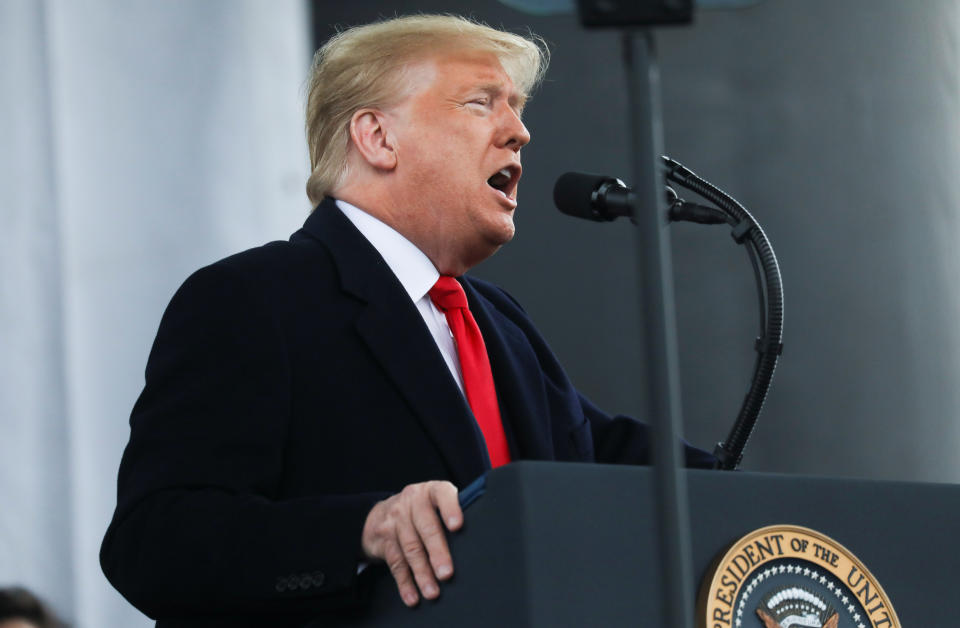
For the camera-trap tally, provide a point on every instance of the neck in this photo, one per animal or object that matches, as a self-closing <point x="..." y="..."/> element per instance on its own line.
<point x="401" y="216"/>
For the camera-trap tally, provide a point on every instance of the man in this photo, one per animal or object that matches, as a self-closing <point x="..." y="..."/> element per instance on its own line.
<point x="312" y="407"/>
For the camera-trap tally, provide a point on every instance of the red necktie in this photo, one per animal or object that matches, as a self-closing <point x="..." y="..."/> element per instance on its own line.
<point x="448" y="295"/>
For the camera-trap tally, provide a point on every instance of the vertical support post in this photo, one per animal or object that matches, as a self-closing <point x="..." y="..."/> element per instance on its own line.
<point x="655" y="270"/>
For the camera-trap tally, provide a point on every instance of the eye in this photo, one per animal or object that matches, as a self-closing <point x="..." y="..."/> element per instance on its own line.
<point x="483" y="101"/>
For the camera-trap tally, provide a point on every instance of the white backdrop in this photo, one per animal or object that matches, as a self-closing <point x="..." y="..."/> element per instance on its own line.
<point x="139" y="140"/>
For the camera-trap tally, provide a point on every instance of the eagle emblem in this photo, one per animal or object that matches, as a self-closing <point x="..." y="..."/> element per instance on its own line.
<point x="796" y="607"/>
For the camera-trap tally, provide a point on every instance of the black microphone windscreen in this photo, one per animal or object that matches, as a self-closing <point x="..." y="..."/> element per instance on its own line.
<point x="573" y="192"/>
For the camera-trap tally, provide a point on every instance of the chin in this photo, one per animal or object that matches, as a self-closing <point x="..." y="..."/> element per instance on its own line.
<point x="503" y="230"/>
<point x="499" y="238"/>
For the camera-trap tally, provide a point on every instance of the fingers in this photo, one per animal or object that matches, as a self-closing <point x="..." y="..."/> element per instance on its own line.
<point x="407" y="532"/>
<point x="443" y="499"/>
<point x="397" y="563"/>
<point x="447" y="501"/>
<point x="434" y="541"/>
<point x="417" y="548"/>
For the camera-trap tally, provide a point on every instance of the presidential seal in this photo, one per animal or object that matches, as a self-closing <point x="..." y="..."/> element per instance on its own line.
<point x="788" y="576"/>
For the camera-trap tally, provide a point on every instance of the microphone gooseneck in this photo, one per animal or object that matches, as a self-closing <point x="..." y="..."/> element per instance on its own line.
<point x="603" y="198"/>
<point x="769" y="345"/>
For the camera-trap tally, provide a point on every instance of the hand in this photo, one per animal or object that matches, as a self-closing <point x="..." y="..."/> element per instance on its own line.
<point x="406" y="532"/>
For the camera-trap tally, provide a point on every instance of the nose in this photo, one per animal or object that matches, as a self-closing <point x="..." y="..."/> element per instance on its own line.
<point x="514" y="134"/>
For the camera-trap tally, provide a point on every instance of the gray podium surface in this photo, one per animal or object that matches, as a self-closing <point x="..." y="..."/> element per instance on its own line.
<point x="553" y="544"/>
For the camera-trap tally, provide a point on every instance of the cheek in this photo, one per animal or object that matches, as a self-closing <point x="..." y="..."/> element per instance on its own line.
<point x="445" y="159"/>
<point x="436" y="158"/>
<point x="449" y="166"/>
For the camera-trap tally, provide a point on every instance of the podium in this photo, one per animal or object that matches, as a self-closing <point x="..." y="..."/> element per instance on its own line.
<point x="566" y="544"/>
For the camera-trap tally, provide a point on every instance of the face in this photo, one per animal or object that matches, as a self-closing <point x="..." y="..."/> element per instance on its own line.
<point x="457" y="140"/>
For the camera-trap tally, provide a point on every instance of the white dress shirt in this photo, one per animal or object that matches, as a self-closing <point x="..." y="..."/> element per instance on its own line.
<point x="416" y="274"/>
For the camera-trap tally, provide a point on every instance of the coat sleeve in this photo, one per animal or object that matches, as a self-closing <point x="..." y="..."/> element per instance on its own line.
<point x="621" y="439"/>
<point x="199" y="527"/>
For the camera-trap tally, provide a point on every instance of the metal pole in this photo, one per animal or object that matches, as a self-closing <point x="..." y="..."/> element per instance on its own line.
<point x="659" y="333"/>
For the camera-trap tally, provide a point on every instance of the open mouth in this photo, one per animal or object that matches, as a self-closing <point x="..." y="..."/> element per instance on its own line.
<point x="505" y="180"/>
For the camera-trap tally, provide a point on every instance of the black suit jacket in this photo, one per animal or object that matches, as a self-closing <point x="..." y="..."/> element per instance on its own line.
<point x="289" y="388"/>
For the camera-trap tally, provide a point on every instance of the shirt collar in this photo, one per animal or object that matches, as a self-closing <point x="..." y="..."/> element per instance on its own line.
<point x="415" y="271"/>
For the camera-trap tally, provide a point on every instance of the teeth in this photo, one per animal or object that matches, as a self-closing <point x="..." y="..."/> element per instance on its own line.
<point x="500" y="179"/>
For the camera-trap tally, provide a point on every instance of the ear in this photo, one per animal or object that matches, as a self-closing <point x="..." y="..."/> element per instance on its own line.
<point x="368" y="131"/>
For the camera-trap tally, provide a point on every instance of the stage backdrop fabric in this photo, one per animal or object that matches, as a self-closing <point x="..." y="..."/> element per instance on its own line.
<point x="138" y="141"/>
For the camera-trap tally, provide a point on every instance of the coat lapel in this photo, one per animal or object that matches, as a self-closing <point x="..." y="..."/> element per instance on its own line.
<point x="396" y="335"/>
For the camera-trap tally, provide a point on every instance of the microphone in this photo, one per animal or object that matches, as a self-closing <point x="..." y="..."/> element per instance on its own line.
<point x="603" y="198"/>
<point x="593" y="196"/>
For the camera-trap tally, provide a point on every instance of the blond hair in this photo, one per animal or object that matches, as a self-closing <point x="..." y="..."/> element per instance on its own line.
<point x="364" y="67"/>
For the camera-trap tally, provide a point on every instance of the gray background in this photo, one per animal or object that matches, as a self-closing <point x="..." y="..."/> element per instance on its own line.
<point x="835" y="123"/>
